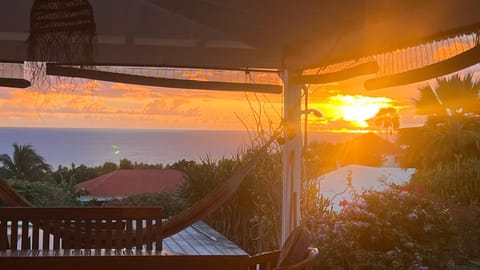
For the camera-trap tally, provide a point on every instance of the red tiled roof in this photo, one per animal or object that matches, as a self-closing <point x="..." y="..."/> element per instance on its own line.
<point x="124" y="182"/>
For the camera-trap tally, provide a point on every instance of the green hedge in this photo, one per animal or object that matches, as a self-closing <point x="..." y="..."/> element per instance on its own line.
<point x="457" y="182"/>
<point x="42" y="193"/>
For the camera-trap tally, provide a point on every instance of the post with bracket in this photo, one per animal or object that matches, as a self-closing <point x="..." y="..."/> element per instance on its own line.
<point x="291" y="156"/>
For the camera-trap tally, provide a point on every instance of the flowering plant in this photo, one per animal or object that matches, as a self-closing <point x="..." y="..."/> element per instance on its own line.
<point x="389" y="229"/>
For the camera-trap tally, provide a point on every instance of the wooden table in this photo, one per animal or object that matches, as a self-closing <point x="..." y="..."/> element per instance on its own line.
<point x="109" y="259"/>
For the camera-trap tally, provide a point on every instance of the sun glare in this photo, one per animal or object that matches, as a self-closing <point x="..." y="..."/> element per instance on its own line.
<point x="357" y="109"/>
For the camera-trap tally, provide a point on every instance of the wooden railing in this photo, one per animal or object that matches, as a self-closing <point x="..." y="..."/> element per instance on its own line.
<point x="111" y="238"/>
<point x="114" y="259"/>
<point x="23" y="228"/>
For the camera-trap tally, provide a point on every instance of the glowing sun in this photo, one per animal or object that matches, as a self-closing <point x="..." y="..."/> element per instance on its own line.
<point x="357" y="109"/>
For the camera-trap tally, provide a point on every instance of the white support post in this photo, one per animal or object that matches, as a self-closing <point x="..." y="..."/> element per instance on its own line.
<point x="291" y="157"/>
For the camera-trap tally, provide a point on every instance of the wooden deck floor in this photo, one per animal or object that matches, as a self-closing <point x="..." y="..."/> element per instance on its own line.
<point x="201" y="239"/>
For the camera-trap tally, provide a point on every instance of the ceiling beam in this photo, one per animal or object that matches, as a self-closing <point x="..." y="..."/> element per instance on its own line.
<point x="450" y="65"/>
<point x="66" y="71"/>
<point x="358" y="70"/>
<point x="14" y="82"/>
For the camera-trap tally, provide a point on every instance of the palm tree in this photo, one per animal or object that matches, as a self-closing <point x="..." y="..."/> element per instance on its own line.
<point x="24" y="164"/>
<point x="458" y="137"/>
<point x="389" y="119"/>
<point x="452" y="130"/>
<point x="453" y="95"/>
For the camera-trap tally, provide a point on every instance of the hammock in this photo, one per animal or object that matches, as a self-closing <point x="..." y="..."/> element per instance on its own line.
<point x="196" y="212"/>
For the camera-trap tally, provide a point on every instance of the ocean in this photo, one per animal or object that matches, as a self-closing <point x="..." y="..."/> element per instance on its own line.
<point x="93" y="147"/>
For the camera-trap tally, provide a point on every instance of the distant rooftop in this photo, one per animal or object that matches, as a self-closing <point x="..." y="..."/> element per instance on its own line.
<point x="125" y="182"/>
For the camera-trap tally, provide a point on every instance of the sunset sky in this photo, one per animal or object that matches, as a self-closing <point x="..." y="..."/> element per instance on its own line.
<point x="96" y="104"/>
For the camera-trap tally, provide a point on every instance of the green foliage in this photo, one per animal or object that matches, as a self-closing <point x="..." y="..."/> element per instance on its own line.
<point x="390" y="229"/>
<point x="141" y="165"/>
<point x="251" y="217"/>
<point x="452" y="130"/>
<point x="320" y="159"/>
<point x="455" y="94"/>
<point x="41" y="193"/>
<point x="77" y="174"/>
<point x="466" y="220"/>
<point x="388" y="118"/>
<point x="73" y="175"/>
<point x="126" y="164"/>
<point x="171" y="204"/>
<point x="457" y="137"/>
<point x="457" y="182"/>
<point x="366" y="149"/>
<point x="107" y="167"/>
<point x="24" y="164"/>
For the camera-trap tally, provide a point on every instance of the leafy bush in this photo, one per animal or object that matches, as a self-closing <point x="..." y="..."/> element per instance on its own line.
<point x="77" y="174"/>
<point x="170" y="203"/>
<point x="41" y="193"/>
<point x="366" y="149"/>
<point x="73" y="174"/>
<point x="466" y="221"/>
<point x="457" y="182"/>
<point x="251" y="217"/>
<point x="390" y="229"/>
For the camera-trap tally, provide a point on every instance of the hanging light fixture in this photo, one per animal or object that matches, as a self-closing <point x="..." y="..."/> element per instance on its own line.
<point x="61" y="31"/>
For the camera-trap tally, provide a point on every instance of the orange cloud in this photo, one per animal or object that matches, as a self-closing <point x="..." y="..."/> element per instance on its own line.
<point x="171" y="107"/>
<point x="104" y="104"/>
<point x="131" y="91"/>
<point x="124" y="106"/>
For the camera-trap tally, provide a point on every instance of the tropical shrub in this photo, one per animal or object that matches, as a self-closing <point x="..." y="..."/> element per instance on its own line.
<point x="454" y="94"/>
<point x="365" y="149"/>
<point x="77" y="174"/>
<point x="456" y="137"/>
<point x="125" y="164"/>
<point x="457" y="182"/>
<point x="457" y="186"/>
<point x="74" y="174"/>
<point x="452" y="130"/>
<point x="390" y="229"/>
<point x="171" y="204"/>
<point x="251" y="217"/>
<point x="42" y="193"/>
<point x="466" y="221"/>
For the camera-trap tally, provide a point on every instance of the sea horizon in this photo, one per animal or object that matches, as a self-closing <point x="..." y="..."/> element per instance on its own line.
<point x="95" y="146"/>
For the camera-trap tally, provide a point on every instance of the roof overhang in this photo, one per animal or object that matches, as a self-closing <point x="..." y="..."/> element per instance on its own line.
<point x="253" y="34"/>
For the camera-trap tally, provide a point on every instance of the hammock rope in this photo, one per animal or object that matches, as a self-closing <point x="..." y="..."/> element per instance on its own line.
<point x="218" y="196"/>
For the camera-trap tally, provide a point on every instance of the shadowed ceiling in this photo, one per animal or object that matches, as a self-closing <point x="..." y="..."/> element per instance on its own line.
<point x="251" y="34"/>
